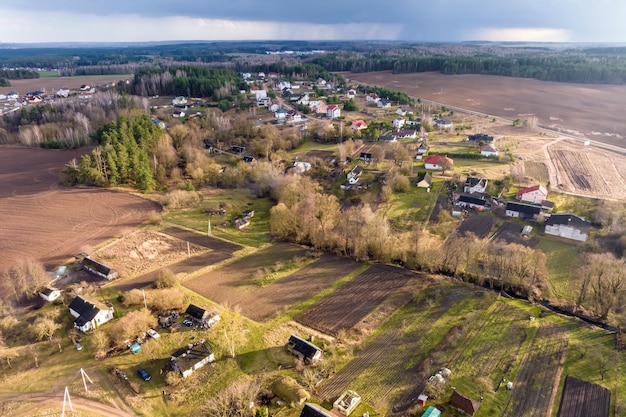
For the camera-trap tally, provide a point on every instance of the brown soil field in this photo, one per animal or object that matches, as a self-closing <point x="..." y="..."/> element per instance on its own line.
<point x="591" y="110"/>
<point x="47" y="222"/>
<point x="349" y="304"/>
<point x="582" y="398"/>
<point x="53" y="84"/>
<point x="478" y="225"/>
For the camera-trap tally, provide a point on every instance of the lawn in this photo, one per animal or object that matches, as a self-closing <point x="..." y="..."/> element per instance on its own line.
<point x="237" y="201"/>
<point x="406" y="209"/>
<point x="48" y="74"/>
<point x="560" y="259"/>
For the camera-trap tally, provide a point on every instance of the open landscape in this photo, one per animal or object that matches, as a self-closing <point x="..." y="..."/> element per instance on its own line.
<point x="51" y="85"/>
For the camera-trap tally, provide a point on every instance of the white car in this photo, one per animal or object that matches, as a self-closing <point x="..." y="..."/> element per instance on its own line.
<point x="153" y="334"/>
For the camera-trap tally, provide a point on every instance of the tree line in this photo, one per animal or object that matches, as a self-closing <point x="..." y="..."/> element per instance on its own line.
<point x="15" y="74"/>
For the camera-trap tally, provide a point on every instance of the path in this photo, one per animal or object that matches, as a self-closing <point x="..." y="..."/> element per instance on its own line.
<point x="55" y="400"/>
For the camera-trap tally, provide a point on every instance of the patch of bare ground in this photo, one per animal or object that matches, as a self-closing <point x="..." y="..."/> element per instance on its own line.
<point x="53" y="84"/>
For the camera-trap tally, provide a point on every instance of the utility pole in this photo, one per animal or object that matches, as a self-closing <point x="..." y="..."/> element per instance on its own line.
<point x="66" y="397"/>
<point x="84" y="375"/>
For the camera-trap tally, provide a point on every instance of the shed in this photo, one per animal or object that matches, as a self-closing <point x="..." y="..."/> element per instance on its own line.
<point x="463" y="403"/>
<point x="304" y="350"/>
<point x="347" y="402"/>
<point x="421" y="400"/>
<point x="135" y="347"/>
<point x="50" y="294"/>
<point x="98" y="268"/>
<point x="445" y="372"/>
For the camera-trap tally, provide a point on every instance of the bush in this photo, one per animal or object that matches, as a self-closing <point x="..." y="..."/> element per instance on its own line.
<point x="165" y="279"/>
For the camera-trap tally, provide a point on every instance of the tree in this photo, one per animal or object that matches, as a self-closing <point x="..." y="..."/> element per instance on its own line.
<point x="132" y="324"/>
<point x="350" y="105"/>
<point x="44" y="328"/>
<point x="234" y="332"/>
<point x="100" y="343"/>
<point x="233" y="401"/>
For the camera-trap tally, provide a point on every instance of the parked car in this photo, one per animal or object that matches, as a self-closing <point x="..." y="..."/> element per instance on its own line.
<point x="188" y="323"/>
<point x="144" y="374"/>
<point x="153" y="333"/>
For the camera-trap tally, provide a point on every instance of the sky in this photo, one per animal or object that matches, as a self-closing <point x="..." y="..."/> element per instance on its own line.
<point x="409" y="20"/>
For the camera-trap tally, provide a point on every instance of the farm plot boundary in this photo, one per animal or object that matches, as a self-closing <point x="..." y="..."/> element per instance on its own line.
<point x="581" y="398"/>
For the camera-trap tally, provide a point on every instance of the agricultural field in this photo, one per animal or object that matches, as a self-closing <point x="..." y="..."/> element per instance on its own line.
<point x="581" y="398"/>
<point x="349" y="304"/>
<point x="537" y="171"/>
<point x="478" y="225"/>
<point x="52" y="84"/>
<point x="47" y="222"/>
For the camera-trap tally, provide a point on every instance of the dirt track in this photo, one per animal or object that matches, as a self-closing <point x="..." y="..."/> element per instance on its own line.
<point x="53" y="402"/>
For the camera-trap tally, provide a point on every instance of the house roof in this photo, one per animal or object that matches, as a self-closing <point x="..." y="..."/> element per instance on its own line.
<point x="523" y="208"/>
<point x="311" y="410"/>
<point x="568" y="220"/>
<point x="426" y="177"/>
<point x="307" y="349"/>
<point x="332" y="107"/>
<point x="488" y="148"/>
<point x="195" y="312"/>
<point x="431" y="412"/>
<point x="48" y="291"/>
<point x="537" y="187"/>
<point x="404" y="132"/>
<point x="435" y="159"/>
<point x="480" y="136"/>
<point x="356" y="171"/>
<point x="86" y="311"/>
<point x="464" y="403"/>
<point x="97" y="266"/>
<point x="473" y="181"/>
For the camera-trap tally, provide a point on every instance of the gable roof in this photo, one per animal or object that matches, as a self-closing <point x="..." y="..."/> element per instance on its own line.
<point x="464" y="403"/>
<point x="488" y="148"/>
<point x="86" y="311"/>
<point x="523" y="208"/>
<point x="464" y="198"/>
<point x="307" y="349"/>
<point x="435" y="159"/>
<point x="310" y="410"/>
<point x="431" y="412"/>
<point x="568" y="220"/>
<point x="96" y="266"/>
<point x="48" y="291"/>
<point x="473" y="181"/>
<point x="426" y="177"/>
<point x="537" y="187"/>
<point x="195" y="312"/>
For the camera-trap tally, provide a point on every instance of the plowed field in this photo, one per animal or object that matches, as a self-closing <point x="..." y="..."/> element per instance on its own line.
<point x="45" y="221"/>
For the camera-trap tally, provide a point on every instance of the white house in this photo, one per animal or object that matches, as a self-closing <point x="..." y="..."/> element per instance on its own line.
<point x="88" y="315"/>
<point x="284" y="85"/>
<point x="273" y="107"/>
<point x="443" y="123"/>
<point x="383" y="103"/>
<point x="303" y="99"/>
<point x="258" y="94"/>
<point x="12" y="95"/>
<point x="351" y="94"/>
<point x="179" y="101"/>
<point x="281" y="113"/>
<point x="568" y="226"/>
<point x="354" y="175"/>
<point x="372" y="98"/>
<point x="263" y="102"/>
<point x="535" y="194"/>
<point x="398" y="122"/>
<point x="333" y="111"/>
<point x="489" y="150"/>
<point x="50" y="294"/>
<point x="3" y="97"/>
<point x="437" y="162"/>
<point x="475" y="185"/>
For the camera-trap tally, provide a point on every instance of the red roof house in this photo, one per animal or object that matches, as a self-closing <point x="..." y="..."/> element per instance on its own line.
<point x="535" y="194"/>
<point x="358" y="125"/>
<point x="438" y="162"/>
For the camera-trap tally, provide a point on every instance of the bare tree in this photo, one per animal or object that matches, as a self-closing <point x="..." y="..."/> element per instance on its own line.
<point x="44" y="328"/>
<point x="234" y="331"/>
<point x="236" y="400"/>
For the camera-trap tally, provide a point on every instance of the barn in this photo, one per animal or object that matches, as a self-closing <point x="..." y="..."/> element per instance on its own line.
<point x="569" y="226"/>
<point x="464" y="404"/>
<point x="306" y="351"/>
<point x="98" y="269"/>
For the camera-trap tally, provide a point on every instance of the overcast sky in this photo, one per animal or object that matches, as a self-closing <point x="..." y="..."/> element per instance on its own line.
<point x="413" y="20"/>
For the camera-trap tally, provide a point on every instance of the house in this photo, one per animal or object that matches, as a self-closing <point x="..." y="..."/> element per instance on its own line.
<point x="293" y="116"/>
<point x="431" y="412"/>
<point x="383" y="103"/>
<point x="421" y="150"/>
<point x="398" y="122"/>
<point x="311" y="410"/>
<point x="421" y="400"/>
<point x="259" y="94"/>
<point x="475" y="185"/>
<point x="443" y="123"/>
<point x="480" y="137"/>
<point x="158" y="122"/>
<point x="50" y="294"/>
<point x="522" y="211"/>
<point x="400" y="111"/>
<point x="263" y="102"/>
<point x="438" y="162"/>
<point x="191" y="358"/>
<point x="284" y="85"/>
<point x="365" y="156"/>
<point x="300" y="167"/>
<point x="178" y="101"/>
<point x="568" y="226"/>
<point x="351" y="94"/>
<point x="305" y="351"/>
<point x="3" y="97"/>
<point x="464" y="404"/>
<point x="470" y="201"/>
<point x="273" y="107"/>
<point x="178" y="114"/>
<point x="12" y="95"/>
<point x="358" y="125"/>
<point x="88" y="315"/>
<point x="303" y="99"/>
<point x="63" y="92"/>
<point x="414" y="123"/>
<point x="354" y="174"/>
<point x="347" y="402"/>
<point x="201" y="316"/>
<point x="535" y="194"/>
<point x="404" y="133"/>
<point x="387" y="138"/>
<point x="489" y="151"/>
<point x="98" y="269"/>
<point x="333" y="111"/>
<point x="281" y="114"/>
<point x="237" y="149"/>
<point x="425" y="180"/>
<point x="318" y="106"/>
<point x="372" y="98"/>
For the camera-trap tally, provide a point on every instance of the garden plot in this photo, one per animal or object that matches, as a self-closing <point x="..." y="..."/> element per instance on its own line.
<point x="581" y="398"/>
<point x="511" y="232"/>
<point x="352" y="302"/>
<point x="478" y="225"/>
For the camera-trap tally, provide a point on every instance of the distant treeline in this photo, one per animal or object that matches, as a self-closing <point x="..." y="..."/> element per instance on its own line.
<point x="15" y="74"/>
<point x="187" y="80"/>
<point x="567" y="68"/>
<point x="395" y="96"/>
<point x="303" y="71"/>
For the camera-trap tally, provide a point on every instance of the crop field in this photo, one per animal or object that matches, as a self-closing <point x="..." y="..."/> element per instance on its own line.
<point x="538" y="171"/>
<point x="478" y="225"/>
<point x="235" y="282"/>
<point x="345" y="307"/>
<point x="510" y="232"/>
<point x="45" y="221"/>
<point x="581" y="398"/>
<point x="52" y="84"/>
<point x="386" y="370"/>
<point x="535" y="386"/>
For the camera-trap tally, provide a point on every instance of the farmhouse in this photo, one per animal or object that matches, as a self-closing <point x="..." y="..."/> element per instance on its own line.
<point x="98" y="269"/>
<point x="372" y="98"/>
<point x="398" y="122"/>
<point x="470" y="201"/>
<point x="475" y="185"/>
<point x="437" y="162"/>
<point x="489" y="151"/>
<point x="201" y="316"/>
<point x="305" y="351"/>
<point x="333" y="111"/>
<point x="535" y="194"/>
<point x="50" y="294"/>
<point x="425" y="180"/>
<point x="188" y="360"/>
<point x="88" y="315"/>
<point x="568" y="226"/>
<point x="464" y="404"/>
<point x="383" y="103"/>
<point x="358" y="125"/>
<point x="522" y="211"/>
<point x="347" y="402"/>
<point x="311" y="410"/>
<point x="421" y="151"/>
<point x="443" y="123"/>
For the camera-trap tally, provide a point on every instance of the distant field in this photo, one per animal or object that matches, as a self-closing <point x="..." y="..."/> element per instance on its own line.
<point x="51" y="83"/>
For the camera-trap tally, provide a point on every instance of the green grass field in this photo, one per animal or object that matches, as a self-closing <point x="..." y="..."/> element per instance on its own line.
<point x="560" y="261"/>
<point x="48" y="74"/>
